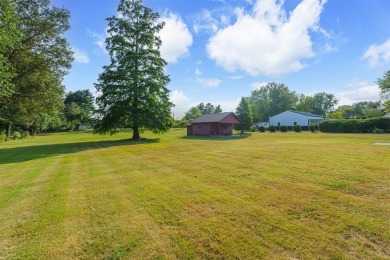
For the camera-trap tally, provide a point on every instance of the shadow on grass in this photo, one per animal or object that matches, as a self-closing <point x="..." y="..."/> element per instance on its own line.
<point x="218" y="138"/>
<point x="27" y="153"/>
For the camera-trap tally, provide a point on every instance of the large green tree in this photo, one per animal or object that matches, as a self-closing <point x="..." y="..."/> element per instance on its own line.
<point x="39" y="61"/>
<point x="244" y="112"/>
<point x="9" y="40"/>
<point x="323" y="103"/>
<point x="270" y="100"/>
<point x="133" y="92"/>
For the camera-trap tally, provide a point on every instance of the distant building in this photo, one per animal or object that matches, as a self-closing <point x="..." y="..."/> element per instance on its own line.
<point x="387" y="115"/>
<point x="214" y="124"/>
<point x="290" y="118"/>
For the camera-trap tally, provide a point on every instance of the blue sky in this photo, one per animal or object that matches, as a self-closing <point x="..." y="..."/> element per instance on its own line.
<point x="220" y="50"/>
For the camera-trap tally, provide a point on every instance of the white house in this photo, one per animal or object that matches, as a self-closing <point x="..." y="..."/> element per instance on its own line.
<point x="290" y="118"/>
<point x="387" y="115"/>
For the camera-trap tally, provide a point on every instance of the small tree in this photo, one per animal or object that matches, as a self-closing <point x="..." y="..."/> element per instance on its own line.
<point x="272" y="128"/>
<point x="244" y="112"/>
<point x="133" y="88"/>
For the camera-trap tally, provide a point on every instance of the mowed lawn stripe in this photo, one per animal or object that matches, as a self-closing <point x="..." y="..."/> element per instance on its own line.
<point x="264" y="196"/>
<point x="24" y="220"/>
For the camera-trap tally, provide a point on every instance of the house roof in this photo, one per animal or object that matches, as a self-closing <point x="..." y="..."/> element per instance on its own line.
<point x="387" y="115"/>
<point x="307" y="114"/>
<point x="213" y="118"/>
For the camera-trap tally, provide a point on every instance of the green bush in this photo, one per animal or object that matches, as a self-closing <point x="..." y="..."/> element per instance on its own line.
<point x="261" y="129"/>
<point x="297" y="128"/>
<point x="368" y="125"/>
<point x="17" y="135"/>
<point x="312" y="128"/>
<point x="283" y="128"/>
<point x="253" y="129"/>
<point x="25" y="134"/>
<point x="272" y="128"/>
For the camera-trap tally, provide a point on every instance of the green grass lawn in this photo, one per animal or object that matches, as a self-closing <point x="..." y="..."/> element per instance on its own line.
<point x="280" y="195"/>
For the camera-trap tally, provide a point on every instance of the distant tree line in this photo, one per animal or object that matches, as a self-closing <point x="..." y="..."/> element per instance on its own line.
<point x="202" y="109"/>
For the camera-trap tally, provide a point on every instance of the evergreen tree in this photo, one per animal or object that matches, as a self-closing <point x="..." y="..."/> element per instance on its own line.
<point x="132" y="87"/>
<point x="244" y="112"/>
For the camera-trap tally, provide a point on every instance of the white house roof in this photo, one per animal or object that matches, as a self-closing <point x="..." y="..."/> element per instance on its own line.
<point x="306" y="114"/>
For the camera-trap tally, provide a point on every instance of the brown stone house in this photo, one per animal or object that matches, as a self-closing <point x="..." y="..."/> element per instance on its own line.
<point x="214" y="124"/>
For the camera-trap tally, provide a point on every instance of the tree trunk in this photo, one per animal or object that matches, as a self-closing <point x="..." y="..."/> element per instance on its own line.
<point x="9" y="131"/>
<point x="136" y="133"/>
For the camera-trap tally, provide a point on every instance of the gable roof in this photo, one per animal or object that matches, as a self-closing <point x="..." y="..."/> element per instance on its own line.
<point x="306" y="114"/>
<point x="213" y="118"/>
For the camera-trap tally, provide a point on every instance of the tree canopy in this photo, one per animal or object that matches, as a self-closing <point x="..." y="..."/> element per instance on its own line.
<point x="9" y="40"/>
<point x="320" y="103"/>
<point x="209" y="108"/>
<point x="132" y="88"/>
<point x="202" y="109"/>
<point x="270" y="100"/>
<point x="39" y="58"/>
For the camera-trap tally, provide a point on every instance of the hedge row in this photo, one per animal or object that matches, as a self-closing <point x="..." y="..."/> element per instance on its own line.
<point x="369" y="125"/>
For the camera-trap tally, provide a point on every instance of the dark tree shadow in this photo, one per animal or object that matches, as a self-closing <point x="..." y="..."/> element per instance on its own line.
<point x="218" y="138"/>
<point x="27" y="153"/>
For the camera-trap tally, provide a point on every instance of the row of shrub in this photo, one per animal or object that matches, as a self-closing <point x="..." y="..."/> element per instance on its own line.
<point x="369" y="125"/>
<point x="15" y="135"/>
<point x="283" y="128"/>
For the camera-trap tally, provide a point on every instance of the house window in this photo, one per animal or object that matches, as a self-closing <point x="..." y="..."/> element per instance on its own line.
<point x="295" y="123"/>
<point x="225" y="126"/>
<point x="200" y="127"/>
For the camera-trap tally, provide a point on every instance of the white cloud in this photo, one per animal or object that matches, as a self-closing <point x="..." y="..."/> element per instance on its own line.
<point x="266" y="41"/>
<point x="80" y="56"/>
<point x="205" y="22"/>
<point x="176" y="38"/>
<point x="236" y="77"/>
<point x="209" y="82"/>
<point x="198" y="72"/>
<point x="178" y="98"/>
<point x="258" y="85"/>
<point x="357" y="91"/>
<point x="100" y="39"/>
<point x="378" y="55"/>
